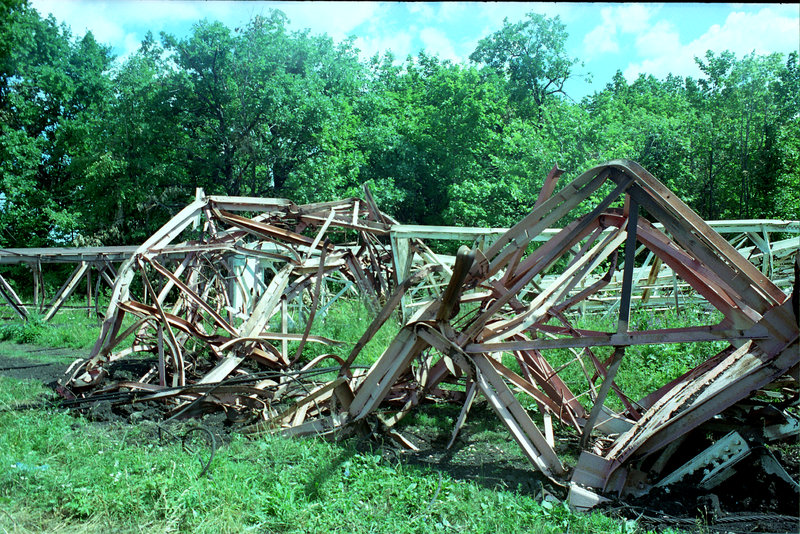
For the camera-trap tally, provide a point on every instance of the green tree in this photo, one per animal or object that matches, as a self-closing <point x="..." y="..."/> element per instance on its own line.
<point x="133" y="170"/>
<point x="735" y="100"/>
<point x="431" y="129"/>
<point x="649" y="121"/>
<point x="98" y="152"/>
<point x="532" y="55"/>
<point x="782" y="142"/>
<point x="267" y="110"/>
<point x="49" y="87"/>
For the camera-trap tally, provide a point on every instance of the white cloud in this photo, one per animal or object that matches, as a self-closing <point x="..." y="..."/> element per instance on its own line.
<point x="603" y="38"/>
<point x="398" y="43"/>
<point x="423" y="11"/>
<point x="130" y="45"/>
<point x="122" y="23"/>
<point x="617" y="21"/>
<point x="764" y="32"/>
<point x="600" y="40"/>
<point x="88" y="13"/>
<point x="337" y="19"/>
<point x="453" y="10"/>
<point x="436" y="42"/>
<point x="110" y="21"/>
<point x="662" y="39"/>
<point x="634" y="18"/>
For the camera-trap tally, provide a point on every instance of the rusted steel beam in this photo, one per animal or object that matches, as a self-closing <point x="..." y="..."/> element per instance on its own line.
<point x="744" y="296"/>
<point x="523" y="305"/>
<point x="12" y="298"/>
<point x="66" y="290"/>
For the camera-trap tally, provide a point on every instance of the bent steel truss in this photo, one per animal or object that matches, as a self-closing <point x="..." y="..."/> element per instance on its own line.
<point x="504" y="323"/>
<point x="757" y="324"/>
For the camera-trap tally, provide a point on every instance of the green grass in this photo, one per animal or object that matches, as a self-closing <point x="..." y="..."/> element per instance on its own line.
<point x="346" y="321"/>
<point x="62" y="473"/>
<point x="69" y="329"/>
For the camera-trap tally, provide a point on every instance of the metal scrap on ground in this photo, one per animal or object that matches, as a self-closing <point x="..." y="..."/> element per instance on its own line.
<point x="217" y="285"/>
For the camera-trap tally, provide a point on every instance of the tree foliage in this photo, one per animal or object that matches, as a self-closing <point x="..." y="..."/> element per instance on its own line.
<point x="531" y="55"/>
<point x="98" y="151"/>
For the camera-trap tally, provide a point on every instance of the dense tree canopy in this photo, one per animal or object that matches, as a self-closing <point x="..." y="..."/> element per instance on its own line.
<point x="97" y="151"/>
<point x="532" y="56"/>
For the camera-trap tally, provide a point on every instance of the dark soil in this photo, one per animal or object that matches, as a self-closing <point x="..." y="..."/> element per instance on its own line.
<point x="749" y="501"/>
<point x="23" y="368"/>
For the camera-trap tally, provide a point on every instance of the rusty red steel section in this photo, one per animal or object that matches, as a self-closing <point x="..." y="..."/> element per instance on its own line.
<point x="493" y="305"/>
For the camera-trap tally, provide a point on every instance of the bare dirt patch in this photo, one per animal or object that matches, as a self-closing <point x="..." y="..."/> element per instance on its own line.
<point x="29" y="362"/>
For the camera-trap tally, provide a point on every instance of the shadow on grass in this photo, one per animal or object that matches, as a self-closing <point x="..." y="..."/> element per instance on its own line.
<point x="330" y="469"/>
<point x="483" y="452"/>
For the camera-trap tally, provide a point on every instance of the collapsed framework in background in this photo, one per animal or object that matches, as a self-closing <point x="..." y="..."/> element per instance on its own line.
<point x="97" y="266"/>
<point x="214" y="318"/>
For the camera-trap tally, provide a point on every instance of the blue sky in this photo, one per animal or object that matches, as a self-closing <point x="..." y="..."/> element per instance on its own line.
<point x="635" y="38"/>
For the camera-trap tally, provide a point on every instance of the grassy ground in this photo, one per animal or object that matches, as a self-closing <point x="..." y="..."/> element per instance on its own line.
<point x="69" y="329"/>
<point x="63" y="473"/>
